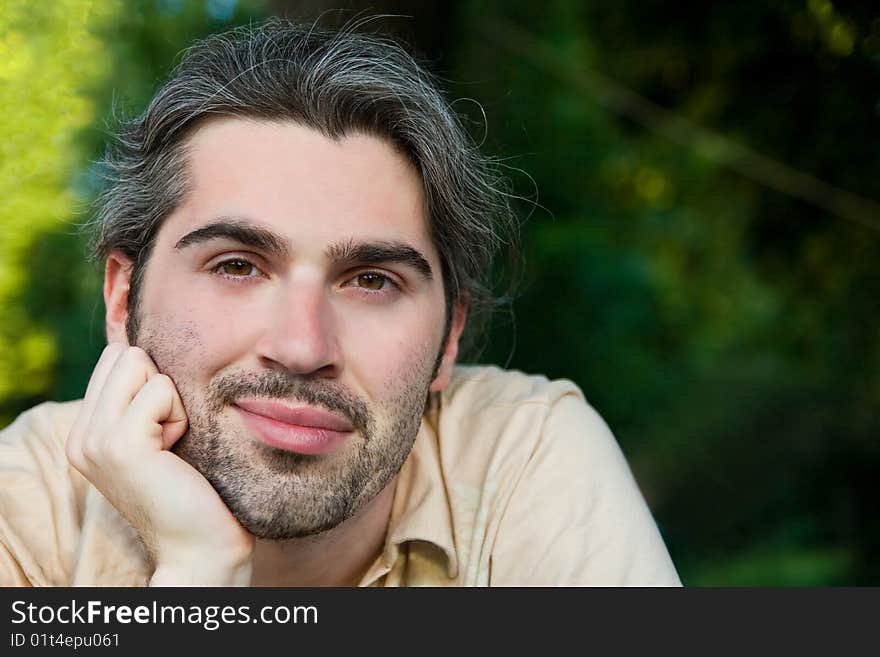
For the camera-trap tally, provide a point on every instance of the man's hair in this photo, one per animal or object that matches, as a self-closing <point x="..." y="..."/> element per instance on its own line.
<point x="335" y="82"/>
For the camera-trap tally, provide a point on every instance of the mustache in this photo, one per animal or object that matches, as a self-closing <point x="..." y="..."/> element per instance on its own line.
<point x="227" y="388"/>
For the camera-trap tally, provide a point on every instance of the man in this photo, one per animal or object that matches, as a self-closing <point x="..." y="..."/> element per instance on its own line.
<point x="295" y="233"/>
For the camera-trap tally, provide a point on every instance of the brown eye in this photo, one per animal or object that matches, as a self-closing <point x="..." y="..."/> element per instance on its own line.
<point x="239" y="268"/>
<point x="371" y="281"/>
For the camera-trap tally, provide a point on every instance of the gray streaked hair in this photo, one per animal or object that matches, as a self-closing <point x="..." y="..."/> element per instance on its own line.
<point x="335" y="82"/>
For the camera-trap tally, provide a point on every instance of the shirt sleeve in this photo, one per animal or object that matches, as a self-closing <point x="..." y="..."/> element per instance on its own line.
<point x="576" y="516"/>
<point x="11" y="573"/>
<point x="39" y="515"/>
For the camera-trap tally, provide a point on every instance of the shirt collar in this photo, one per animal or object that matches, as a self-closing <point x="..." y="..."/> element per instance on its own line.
<point x="421" y="510"/>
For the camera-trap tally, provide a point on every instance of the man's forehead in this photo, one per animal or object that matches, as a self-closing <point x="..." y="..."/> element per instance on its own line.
<point x="217" y="139"/>
<point x="295" y="182"/>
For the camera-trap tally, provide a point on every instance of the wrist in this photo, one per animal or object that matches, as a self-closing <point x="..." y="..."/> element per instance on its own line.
<point x="202" y="571"/>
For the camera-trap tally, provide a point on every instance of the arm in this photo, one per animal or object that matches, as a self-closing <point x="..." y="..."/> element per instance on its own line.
<point x="576" y="516"/>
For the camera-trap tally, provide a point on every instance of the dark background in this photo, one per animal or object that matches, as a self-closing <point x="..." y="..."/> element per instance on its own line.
<point x="697" y="186"/>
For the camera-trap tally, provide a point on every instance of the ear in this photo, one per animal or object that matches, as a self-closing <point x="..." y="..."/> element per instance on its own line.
<point x="450" y="352"/>
<point x="117" y="280"/>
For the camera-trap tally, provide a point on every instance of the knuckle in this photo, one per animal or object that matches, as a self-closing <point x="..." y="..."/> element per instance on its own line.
<point x="162" y="380"/>
<point x="134" y="354"/>
<point x="90" y="452"/>
<point x="73" y="454"/>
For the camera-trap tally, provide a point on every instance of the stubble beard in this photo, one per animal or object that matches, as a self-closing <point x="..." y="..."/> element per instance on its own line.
<point x="273" y="493"/>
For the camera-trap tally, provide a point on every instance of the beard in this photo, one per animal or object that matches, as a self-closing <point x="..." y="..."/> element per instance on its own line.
<point x="276" y="494"/>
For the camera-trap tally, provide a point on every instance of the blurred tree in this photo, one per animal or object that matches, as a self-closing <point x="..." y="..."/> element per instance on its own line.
<point x="726" y="330"/>
<point x="50" y="58"/>
<point x="425" y="26"/>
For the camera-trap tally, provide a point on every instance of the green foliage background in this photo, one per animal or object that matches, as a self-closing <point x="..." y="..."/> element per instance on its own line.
<point x="725" y="329"/>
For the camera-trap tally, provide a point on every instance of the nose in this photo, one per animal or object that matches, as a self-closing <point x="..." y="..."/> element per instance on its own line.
<point x="300" y="333"/>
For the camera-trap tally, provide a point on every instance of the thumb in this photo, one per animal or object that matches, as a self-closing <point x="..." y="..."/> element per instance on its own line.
<point x="176" y="422"/>
<point x="158" y="403"/>
<point x="172" y="432"/>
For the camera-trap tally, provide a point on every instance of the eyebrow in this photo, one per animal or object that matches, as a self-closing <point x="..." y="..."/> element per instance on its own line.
<point x="240" y="231"/>
<point x="377" y="253"/>
<point x="344" y="253"/>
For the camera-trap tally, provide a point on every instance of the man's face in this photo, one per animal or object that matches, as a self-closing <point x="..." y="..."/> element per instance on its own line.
<point x="296" y="300"/>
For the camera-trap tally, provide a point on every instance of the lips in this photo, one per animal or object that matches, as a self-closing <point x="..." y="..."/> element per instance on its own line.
<point x="305" y="416"/>
<point x="304" y="430"/>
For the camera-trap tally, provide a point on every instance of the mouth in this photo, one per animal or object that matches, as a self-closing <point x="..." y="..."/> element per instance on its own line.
<point x="303" y="430"/>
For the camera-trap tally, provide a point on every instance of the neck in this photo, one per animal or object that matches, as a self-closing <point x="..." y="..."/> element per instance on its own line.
<point x="337" y="557"/>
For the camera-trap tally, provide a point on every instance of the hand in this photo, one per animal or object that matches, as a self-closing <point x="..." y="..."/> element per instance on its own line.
<point x="130" y="418"/>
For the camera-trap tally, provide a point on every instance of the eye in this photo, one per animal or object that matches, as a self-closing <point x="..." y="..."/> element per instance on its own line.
<point x="372" y="281"/>
<point x="237" y="268"/>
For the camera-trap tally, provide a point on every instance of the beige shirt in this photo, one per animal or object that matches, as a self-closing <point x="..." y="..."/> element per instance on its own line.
<point x="513" y="480"/>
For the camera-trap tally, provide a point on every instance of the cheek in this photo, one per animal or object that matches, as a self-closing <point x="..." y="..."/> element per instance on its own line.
<point x="386" y="353"/>
<point x="191" y="339"/>
<point x="224" y="330"/>
<point x="181" y="297"/>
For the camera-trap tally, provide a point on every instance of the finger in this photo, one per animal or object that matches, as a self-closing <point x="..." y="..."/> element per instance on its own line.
<point x="157" y="408"/>
<point x="105" y="363"/>
<point x="130" y="373"/>
<point x="108" y="358"/>
<point x="177" y="423"/>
